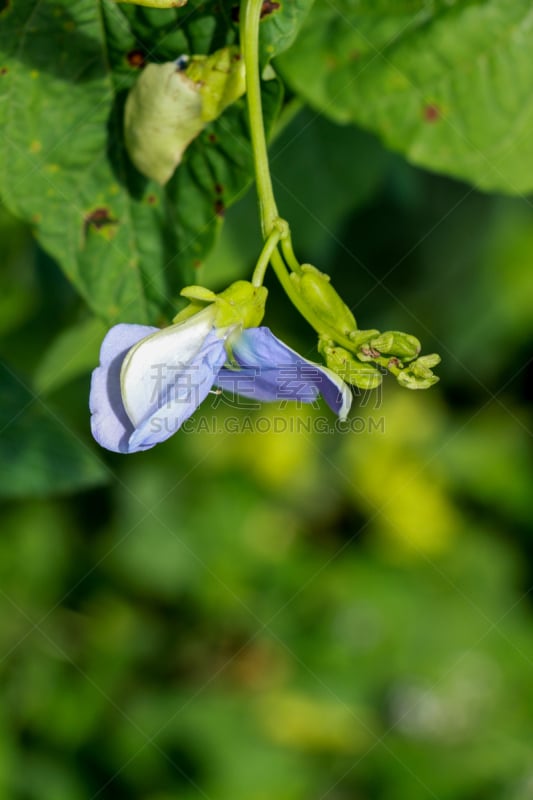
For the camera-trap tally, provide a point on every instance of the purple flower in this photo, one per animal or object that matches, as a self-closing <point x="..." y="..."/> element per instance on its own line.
<point x="150" y="381"/>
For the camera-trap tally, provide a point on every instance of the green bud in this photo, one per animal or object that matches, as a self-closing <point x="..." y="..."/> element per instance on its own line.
<point x="429" y="361"/>
<point x="410" y="381"/>
<point x="417" y="375"/>
<point x="365" y="376"/>
<point x="420" y="371"/>
<point x="361" y="338"/>
<point x="315" y="289"/>
<point x="396" y="343"/>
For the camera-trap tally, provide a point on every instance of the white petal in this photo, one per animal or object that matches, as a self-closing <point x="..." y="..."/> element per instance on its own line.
<point x="155" y="361"/>
<point x="181" y="399"/>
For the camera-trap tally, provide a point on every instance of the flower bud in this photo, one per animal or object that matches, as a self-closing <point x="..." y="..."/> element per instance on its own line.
<point x="417" y="375"/>
<point x="396" y="343"/>
<point x="364" y="376"/>
<point x="361" y="338"/>
<point x="429" y="361"/>
<point x="315" y="289"/>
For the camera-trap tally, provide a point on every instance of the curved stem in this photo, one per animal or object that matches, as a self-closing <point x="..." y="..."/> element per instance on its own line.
<point x="288" y="253"/>
<point x="249" y="28"/>
<point x="266" y="254"/>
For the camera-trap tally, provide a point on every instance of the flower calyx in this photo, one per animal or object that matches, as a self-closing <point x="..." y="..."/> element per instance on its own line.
<point x="241" y="304"/>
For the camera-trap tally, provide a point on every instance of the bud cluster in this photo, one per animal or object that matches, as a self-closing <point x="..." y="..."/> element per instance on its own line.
<point x="360" y="357"/>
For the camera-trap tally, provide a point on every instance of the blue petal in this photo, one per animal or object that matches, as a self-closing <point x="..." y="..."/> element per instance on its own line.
<point x="270" y="370"/>
<point x="110" y="424"/>
<point x="181" y="394"/>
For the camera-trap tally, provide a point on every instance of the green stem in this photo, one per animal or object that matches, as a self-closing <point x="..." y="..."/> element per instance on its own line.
<point x="249" y="28"/>
<point x="266" y="254"/>
<point x="288" y="252"/>
<point x="388" y="363"/>
<point x="274" y="229"/>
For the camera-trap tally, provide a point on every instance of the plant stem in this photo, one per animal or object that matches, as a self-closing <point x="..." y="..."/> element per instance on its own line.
<point x="273" y="227"/>
<point x="288" y="252"/>
<point x="249" y="29"/>
<point x="269" y="246"/>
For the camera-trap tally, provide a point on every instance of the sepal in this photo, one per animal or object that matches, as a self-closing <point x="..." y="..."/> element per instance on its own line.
<point x="241" y="303"/>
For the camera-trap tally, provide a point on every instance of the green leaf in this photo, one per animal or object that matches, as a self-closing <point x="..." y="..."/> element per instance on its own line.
<point x="17" y="285"/>
<point x="447" y="84"/>
<point x="280" y="27"/>
<point x="73" y="353"/>
<point x="65" y="69"/>
<point x="39" y="454"/>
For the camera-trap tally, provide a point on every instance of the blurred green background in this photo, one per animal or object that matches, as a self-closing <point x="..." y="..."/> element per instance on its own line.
<point x="293" y="615"/>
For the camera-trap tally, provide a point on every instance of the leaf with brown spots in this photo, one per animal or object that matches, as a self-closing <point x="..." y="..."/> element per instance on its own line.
<point x="127" y="245"/>
<point x="62" y="162"/>
<point x="98" y="219"/>
<point x="136" y="59"/>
